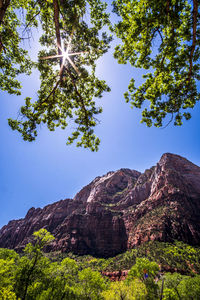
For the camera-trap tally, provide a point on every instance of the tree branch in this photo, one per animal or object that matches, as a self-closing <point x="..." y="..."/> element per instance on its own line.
<point x="160" y="34"/>
<point x="195" y="13"/>
<point x="167" y="8"/>
<point x="80" y="97"/>
<point x="3" y="7"/>
<point x="172" y="117"/>
<point x="4" y="4"/>
<point x="27" y="25"/>
<point x="57" y="27"/>
<point x="52" y="92"/>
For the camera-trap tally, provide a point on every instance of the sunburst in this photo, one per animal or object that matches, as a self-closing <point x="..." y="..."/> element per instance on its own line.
<point x="66" y="55"/>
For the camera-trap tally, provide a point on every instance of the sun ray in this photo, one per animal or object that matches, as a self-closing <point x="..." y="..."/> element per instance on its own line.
<point x="65" y="55"/>
<point x="73" y="65"/>
<point x="52" y="56"/>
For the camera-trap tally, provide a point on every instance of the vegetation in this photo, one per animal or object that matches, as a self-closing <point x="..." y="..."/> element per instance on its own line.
<point x="160" y="36"/>
<point x="71" y="41"/>
<point x="36" y="275"/>
<point x="178" y="257"/>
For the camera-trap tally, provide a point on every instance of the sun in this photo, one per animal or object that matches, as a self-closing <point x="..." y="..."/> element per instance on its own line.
<point x="65" y="55"/>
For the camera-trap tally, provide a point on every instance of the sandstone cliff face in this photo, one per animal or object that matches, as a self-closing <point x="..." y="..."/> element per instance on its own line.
<point x="119" y="210"/>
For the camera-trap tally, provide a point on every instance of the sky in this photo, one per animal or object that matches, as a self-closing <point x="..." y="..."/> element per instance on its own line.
<point x="46" y="170"/>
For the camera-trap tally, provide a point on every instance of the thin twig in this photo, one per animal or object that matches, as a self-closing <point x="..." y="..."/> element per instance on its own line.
<point x="27" y="25"/>
<point x="172" y="117"/>
<point x="79" y="96"/>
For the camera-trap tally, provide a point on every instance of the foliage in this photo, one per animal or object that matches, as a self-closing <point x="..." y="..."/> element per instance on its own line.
<point x="169" y="294"/>
<point x="31" y="267"/>
<point x="34" y="275"/>
<point x="61" y="279"/>
<point x="164" y="38"/>
<point x="177" y="286"/>
<point x="171" y="282"/>
<point x="189" y="288"/>
<point x="8" y="261"/>
<point x="160" y="36"/>
<point x="8" y="254"/>
<point x="72" y="41"/>
<point x="7" y="294"/>
<point x="120" y="290"/>
<point x="177" y="256"/>
<point x="6" y="272"/>
<point x="14" y="60"/>
<point x="91" y="284"/>
<point x="146" y="271"/>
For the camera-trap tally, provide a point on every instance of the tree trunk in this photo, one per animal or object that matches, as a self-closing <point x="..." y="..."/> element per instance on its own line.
<point x="4" y="4"/>
<point x="57" y="27"/>
<point x="3" y="7"/>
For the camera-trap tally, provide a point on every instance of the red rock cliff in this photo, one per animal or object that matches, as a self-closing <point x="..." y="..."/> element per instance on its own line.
<point x="119" y="210"/>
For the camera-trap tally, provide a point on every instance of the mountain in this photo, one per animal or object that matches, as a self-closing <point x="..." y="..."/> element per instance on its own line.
<point x="119" y="211"/>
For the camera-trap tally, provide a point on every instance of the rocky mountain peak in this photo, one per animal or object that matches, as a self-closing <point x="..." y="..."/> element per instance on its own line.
<point x="169" y="160"/>
<point x="178" y="172"/>
<point x="118" y="211"/>
<point x="104" y="188"/>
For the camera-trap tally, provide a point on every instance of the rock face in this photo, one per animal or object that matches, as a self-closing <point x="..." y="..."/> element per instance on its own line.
<point x="119" y="211"/>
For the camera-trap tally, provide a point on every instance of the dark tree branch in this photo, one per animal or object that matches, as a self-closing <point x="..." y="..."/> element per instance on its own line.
<point x="172" y="117"/>
<point x="57" y="27"/>
<point x="3" y="7"/>
<point x="27" y="281"/>
<point x="27" y="25"/>
<point x="195" y="13"/>
<point x="168" y="5"/>
<point x="79" y="97"/>
<point x="51" y="93"/>
<point x="2" y="47"/>
<point x="4" y="4"/>
<point x="160" y="34"/>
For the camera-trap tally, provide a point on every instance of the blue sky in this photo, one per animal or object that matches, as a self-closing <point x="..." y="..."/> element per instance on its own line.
<point x="45" y="171"/>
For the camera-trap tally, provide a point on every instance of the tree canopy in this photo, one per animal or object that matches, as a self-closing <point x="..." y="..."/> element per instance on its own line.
<point x="67" y="61"/>
<point x="164" y="38"/>
<point x="34" y="274"/>
<point x="160" y="36"/>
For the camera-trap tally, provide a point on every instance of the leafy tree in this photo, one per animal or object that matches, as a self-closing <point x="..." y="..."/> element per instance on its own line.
<point x="62" y="281"/>
<point x="170" y="294"/>
<point x="8" y="261"/>
<point x="91" y="284"/>
<point x="171" y="282"/>
<point x="7" y="268"/>
<point x="177" y="286"/>
<point x="164" y="38"/>
<point x="67" y="65"/>
<point x="7" y="294"/>
<point x="189" y="288"/>
<point x="121" y="291"/>
<point x="31" y="267"/>
<point x="146" y="271"/>
<point x="8" y="254"/>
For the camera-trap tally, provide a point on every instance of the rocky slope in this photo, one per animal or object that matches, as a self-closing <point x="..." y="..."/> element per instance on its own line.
<point x="119" y="210"/>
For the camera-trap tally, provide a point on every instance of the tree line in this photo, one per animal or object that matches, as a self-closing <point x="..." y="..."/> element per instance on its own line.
<point x="34" y="276"/>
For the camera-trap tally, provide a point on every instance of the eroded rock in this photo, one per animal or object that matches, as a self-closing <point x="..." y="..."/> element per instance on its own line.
<point x="119" y="211"/>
